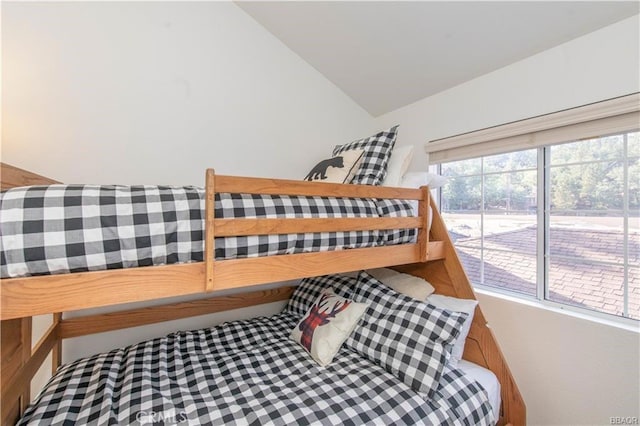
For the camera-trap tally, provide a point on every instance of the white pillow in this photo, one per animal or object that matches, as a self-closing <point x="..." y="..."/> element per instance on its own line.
<point x="467" y="306"/>
<point x="338" y="169"/>
<point x="418" y="179"/>
<point x="326" y="325"/>
<point x="409" y="285"/>
<point x="398" y="165"/>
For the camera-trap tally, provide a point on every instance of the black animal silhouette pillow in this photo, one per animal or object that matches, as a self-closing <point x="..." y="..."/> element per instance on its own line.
<point x="338" y="169"/>
<point x="377" y="152"/>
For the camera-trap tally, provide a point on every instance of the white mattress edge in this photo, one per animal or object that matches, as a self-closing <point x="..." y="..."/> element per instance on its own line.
<point x="487" y="379"/>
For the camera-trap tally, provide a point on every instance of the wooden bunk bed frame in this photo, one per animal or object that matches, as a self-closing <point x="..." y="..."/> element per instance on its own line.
<point x="432" y="257"/>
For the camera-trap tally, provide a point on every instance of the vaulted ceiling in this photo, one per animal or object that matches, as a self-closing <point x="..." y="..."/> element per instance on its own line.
<point x="388" y="54"/>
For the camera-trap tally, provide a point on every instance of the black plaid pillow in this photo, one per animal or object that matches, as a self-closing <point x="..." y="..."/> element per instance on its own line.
<point x="377" y="151"/>
<point x="409" y="338"/>
<point x="309" y="290"/>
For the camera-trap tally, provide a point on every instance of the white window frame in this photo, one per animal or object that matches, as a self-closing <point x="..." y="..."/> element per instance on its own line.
<point x="614" y="116"/>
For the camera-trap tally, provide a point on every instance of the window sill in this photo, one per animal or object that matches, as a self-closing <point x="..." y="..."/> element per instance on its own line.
<point x="627" y="324"/>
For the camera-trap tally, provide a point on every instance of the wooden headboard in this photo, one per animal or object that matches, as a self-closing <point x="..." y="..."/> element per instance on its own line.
<point x="11" y="176"/>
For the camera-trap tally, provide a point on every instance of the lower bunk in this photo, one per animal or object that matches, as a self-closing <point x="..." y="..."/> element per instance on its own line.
<point x="251" y="372"/>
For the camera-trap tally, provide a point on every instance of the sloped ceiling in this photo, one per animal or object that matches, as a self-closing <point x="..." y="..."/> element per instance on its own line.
<point x="386" y="55"/>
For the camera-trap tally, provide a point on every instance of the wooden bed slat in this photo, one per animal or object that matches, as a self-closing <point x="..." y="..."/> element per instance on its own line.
<point x="281" y="268"/>
<point x="209" y="229"/>
<point x="242" y="227"/>
<point x="247" y="185"/>
<point x="82" y="326"/>
<point x="69" y="292"/>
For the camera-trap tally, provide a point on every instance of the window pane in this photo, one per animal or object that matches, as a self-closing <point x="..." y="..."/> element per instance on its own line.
<point x="634" y="293"/>
<point x="585" y="241"/>
<point x="511" y="161"/>
<point x="521" y="238"/>
<point x="510" y="271"/>
<point x="634" y="244"/>
<point x="591" y="286"/>
<point x="507" y="218"/>
<point x="634" y="187"/>
<point x="462" y="168"/>
<point x="462" y="194"/>
<point x="510" y="193"/>
<point x="633" y="139"/>
<point x="593" y="189"/>
<point x="610" y="147"/>
<point x="586" y="229"/>
<point x="634" y="271"/>
<point x="461" y="199"/>
<point x="464" y="228"/>
<point x="470" y="259"/>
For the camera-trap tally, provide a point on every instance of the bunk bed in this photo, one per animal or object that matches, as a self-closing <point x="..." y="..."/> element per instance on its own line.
<point x="429" y="255"/>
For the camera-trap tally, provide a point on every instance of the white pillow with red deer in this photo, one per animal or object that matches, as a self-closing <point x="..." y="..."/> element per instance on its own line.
<point x="327" y="324"/>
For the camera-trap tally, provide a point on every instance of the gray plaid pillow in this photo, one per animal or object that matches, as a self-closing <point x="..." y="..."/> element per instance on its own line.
<point x="309" y="289"/>
<point x="377" y="151"/>
<point x="409" y="338"/>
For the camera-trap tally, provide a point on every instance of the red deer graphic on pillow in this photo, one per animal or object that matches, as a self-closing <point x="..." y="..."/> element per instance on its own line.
<point x="318" y="317"/>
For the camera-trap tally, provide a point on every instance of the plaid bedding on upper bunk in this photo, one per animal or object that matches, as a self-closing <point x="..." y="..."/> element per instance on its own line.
<point x="245" y="372"/>
<point x="73" y="228"/>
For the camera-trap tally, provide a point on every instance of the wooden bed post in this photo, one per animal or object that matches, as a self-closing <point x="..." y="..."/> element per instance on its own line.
<point x="18" y="361"/>
<point x="209" y="241"/>
<point x="423" y="231"/>
<point x="56" y="352"/>
<point x="15" y="348"/>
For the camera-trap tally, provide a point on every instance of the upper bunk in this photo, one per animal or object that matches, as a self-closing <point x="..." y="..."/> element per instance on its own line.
<point x="24" y="296"/>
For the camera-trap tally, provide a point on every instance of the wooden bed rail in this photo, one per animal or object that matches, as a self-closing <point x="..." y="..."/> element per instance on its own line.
<point x="20" y="363"/>
<point x="273" y="268"/>
<point x="29" y="296"/>
<point x="117" y="320"/>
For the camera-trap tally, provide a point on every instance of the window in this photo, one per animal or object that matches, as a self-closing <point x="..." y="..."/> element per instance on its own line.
<point x="559" y="222"/>
<point x="489" y="206"/>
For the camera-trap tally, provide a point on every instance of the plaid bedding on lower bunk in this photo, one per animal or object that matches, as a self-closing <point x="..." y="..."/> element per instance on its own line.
<point x="74" y="228"/>
<point x="245" y="372"/>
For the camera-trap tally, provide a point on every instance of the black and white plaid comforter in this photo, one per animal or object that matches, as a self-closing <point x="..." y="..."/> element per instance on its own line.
<point x="74" y="228"/>
<point x="245" y="372"/>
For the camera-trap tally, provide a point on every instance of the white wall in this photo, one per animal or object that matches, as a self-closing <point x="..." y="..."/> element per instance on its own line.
<point x="154" y="93"/>
<point x="569" y="370"/>
<point x="600" y="65"/>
